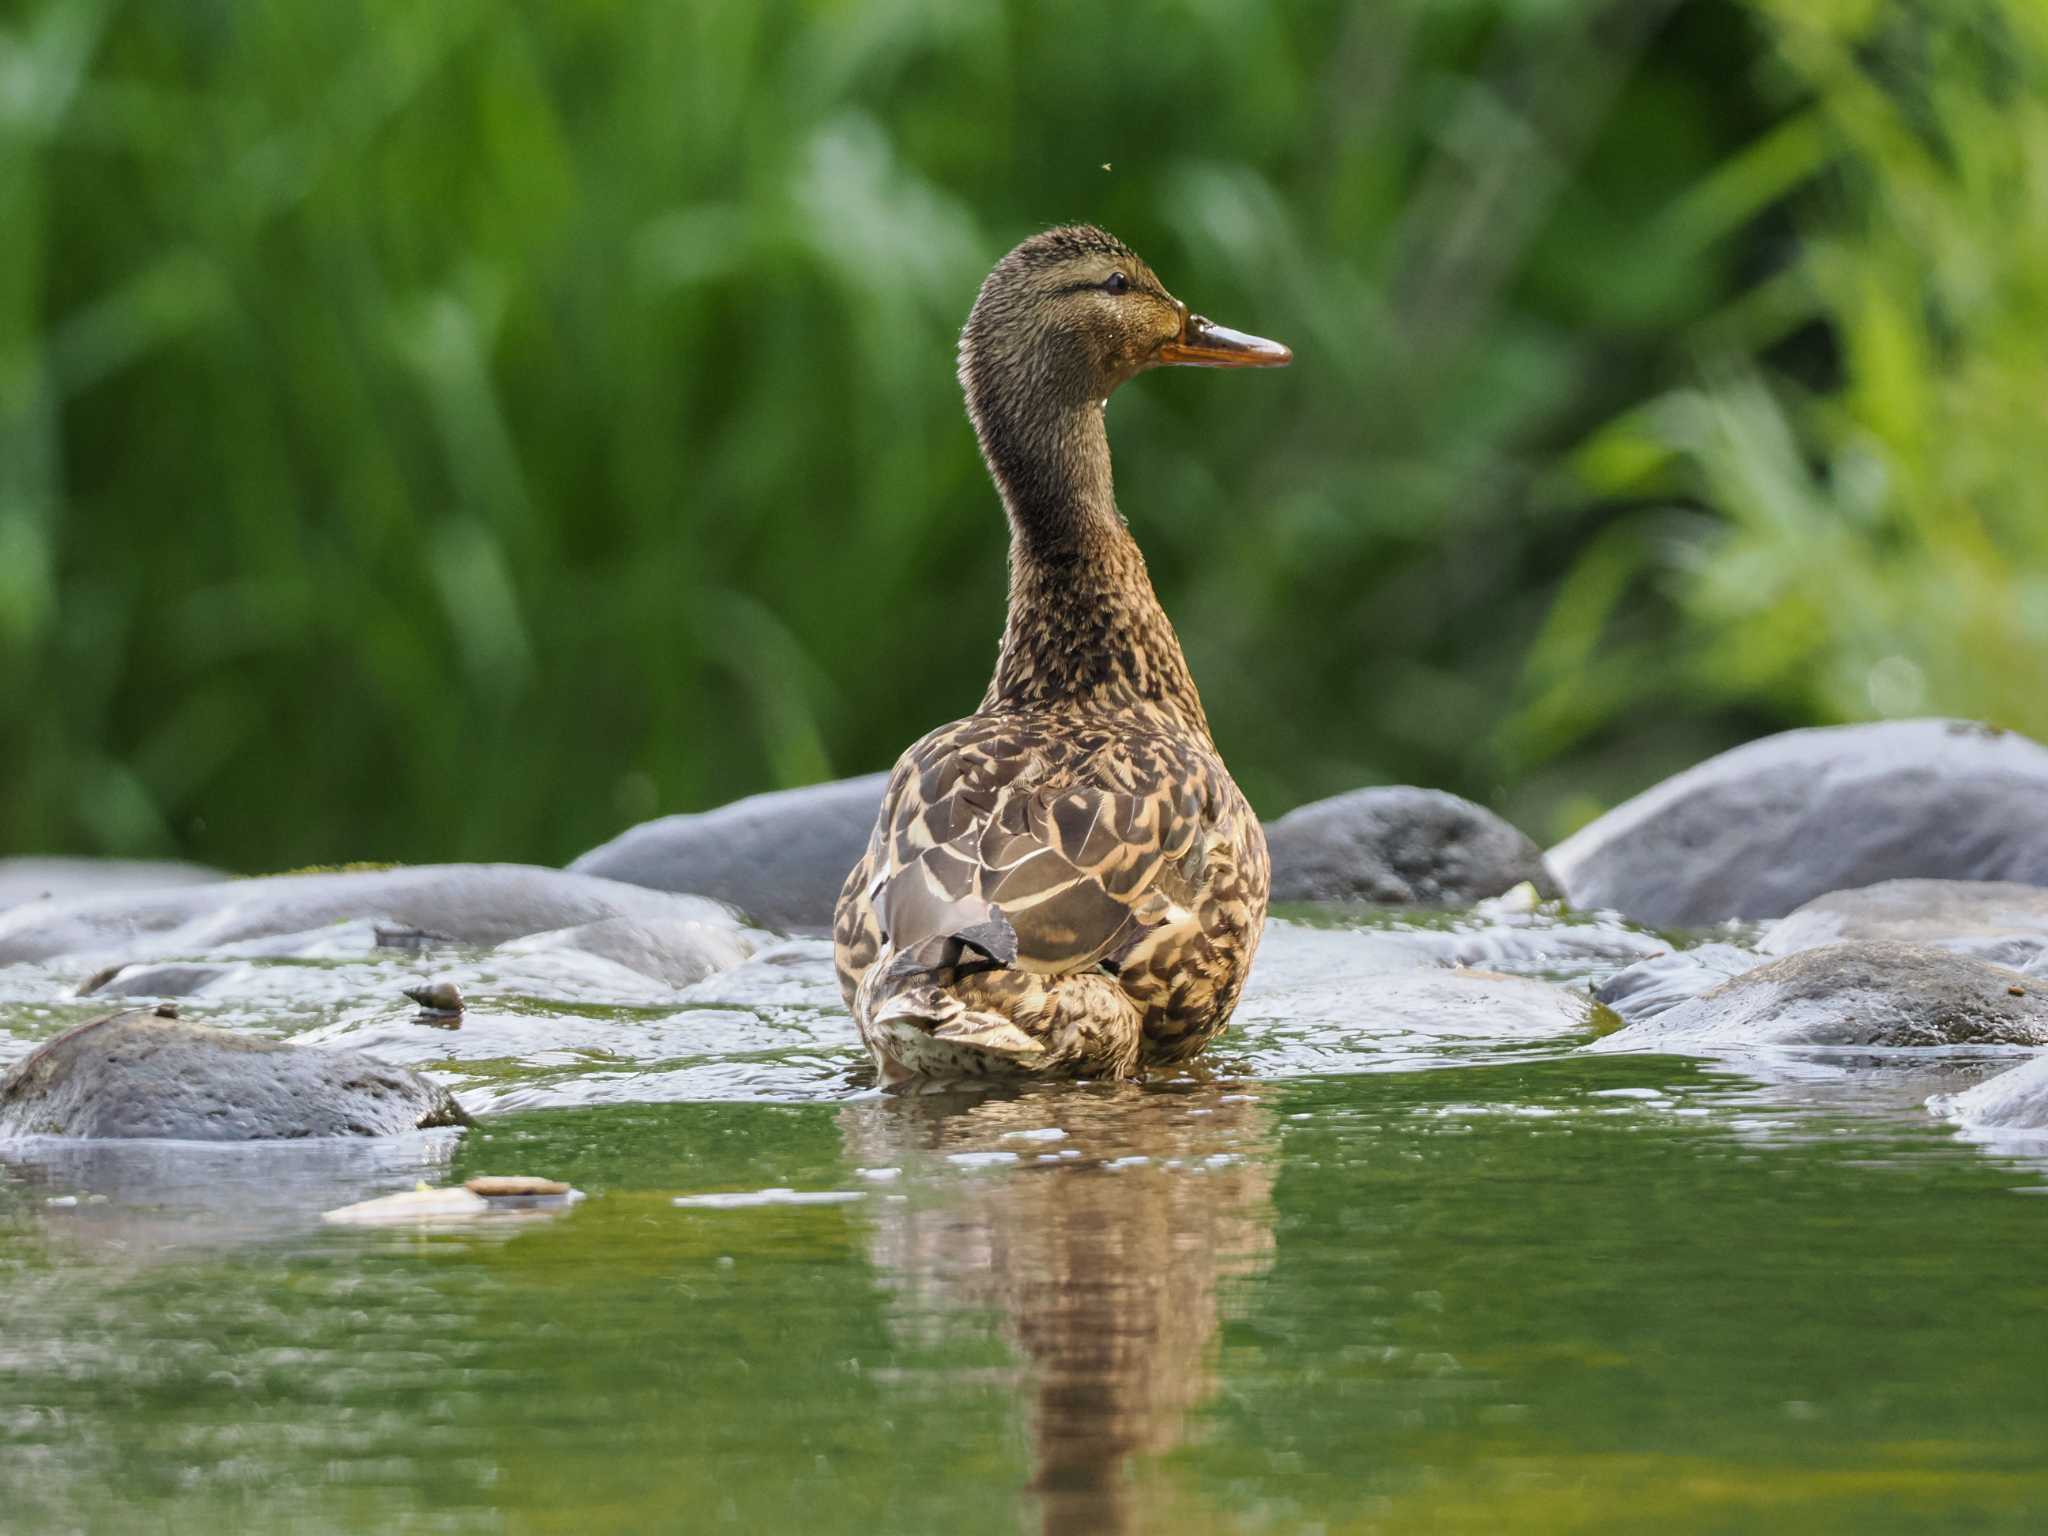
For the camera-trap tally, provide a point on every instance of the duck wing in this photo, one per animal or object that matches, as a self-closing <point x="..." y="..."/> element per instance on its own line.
<point x="1046" y="851"/>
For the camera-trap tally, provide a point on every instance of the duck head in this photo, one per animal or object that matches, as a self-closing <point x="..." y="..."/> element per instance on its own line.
<point x="1072" y="313"/>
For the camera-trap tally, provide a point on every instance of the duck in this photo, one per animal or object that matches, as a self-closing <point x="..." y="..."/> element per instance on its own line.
<point x="1066" y="882"/>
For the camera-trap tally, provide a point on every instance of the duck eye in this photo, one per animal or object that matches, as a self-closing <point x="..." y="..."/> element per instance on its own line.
<point x="1117" y="283"/>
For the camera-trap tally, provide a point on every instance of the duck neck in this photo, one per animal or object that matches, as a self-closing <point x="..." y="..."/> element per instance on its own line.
<point x="1085" y="628"/>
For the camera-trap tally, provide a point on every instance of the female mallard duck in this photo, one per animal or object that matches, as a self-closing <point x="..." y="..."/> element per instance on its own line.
<point x="1066" y="881"/>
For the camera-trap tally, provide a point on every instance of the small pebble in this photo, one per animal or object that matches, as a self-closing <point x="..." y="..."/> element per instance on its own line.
<point x="2017" y="991"/>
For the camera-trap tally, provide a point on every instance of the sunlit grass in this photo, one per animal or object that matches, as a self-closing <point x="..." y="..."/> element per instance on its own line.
<point x="1870" y="463"/>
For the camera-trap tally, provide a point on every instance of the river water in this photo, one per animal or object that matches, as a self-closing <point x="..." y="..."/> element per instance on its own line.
<point x="1381" y="1265"/>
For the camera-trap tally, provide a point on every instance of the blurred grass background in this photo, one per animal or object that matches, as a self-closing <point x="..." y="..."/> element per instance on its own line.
<point x="463" y="429"/>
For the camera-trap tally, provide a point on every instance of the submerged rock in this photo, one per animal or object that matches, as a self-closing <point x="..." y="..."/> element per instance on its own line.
<point x="677" y="952"/>
<point x="780" y="858"/>
<point x="1660" y="983"/>
<point x="1323" y="991"/>
<point x="1400" y="844"/>
<point x="168" y="980"/>
<point x="1996" y="920"/>
<point x="57" y="879"/>
<point x="2012" y="1101"/>
<point x="1758" y="830"/>
<point x="464" y="903"/>
<point x="141" y="1074"/>
<point x="1859" y="994"/>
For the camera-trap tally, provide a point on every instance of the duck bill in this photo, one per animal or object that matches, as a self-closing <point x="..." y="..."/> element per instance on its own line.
<point x="1204" y="344"/>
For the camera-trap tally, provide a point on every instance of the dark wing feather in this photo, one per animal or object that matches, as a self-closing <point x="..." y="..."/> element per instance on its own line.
<point x="1039" y="855"/>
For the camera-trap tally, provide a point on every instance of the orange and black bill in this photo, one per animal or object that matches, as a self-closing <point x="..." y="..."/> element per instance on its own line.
<point x="1204" y="344"/>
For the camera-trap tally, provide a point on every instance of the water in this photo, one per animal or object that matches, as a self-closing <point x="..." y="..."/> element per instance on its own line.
<point x="1363" y="1273"/>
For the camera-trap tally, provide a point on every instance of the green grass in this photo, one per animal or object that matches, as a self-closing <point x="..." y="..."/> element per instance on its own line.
<point x="1843" y="508"/>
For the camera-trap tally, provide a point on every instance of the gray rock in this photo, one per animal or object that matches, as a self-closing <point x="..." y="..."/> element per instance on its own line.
<point x="780" y="858"/>
<point x="2012" y="1101"/>
<point x="678" y="952"/>
<point x="169" y="980"/>
<point x="1757" y="831"/>
<point x="1994" y="920"/>
<point x="1318" y="994"/>
<point x="466" y="903"/>
<point x="56" y="879"/>
<point x="1860" y="994"/>
<point x="1400" y="844"/>
<point x="140" y="1074"/>
<point x="1660" y="983"/>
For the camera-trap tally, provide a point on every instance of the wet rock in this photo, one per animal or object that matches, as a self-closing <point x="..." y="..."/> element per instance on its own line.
<point x="1995" y="920"/>
<point x="470" y="903"/>
<point x="1860" y="994"/>
<point x="677" y="952"/>
<point x="55" y="879"/>
<point x="780" y="858"/>
<point x="2012" y="1101"/>
<point x="1323" y="991"/>
<point x="1661" y="982"/>
<point x="1545" y="940"/>
<point x="1400" y="844"/>
<point x="154" y="980"/>
<point x="1755" y="832"/>
<point x="143" y="1075"/>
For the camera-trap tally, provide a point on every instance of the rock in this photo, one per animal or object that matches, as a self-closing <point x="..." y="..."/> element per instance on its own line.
<point x="139" y="1074"/>
<point x="1994" y="920"/>
<point x="477" y="904"/>
<point x="1859" y="994"/>
<point x="1758" y="830"/>
<point x="2012" y="1101"/>
<point x="1323" y="989"/>
<point x="677" y="952"/>
<point x="780" y="858"/>
<point x="1400" y="844"/>
<point x="23" y="880"/>
<point x="1661" y="982"/>
<point x="154" y="980"/>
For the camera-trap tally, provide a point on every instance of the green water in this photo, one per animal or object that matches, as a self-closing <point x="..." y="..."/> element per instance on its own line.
<point x="1540" y="1291"/>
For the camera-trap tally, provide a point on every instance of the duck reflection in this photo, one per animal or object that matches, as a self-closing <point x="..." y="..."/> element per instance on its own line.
<point x="1101" y="1223"/>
